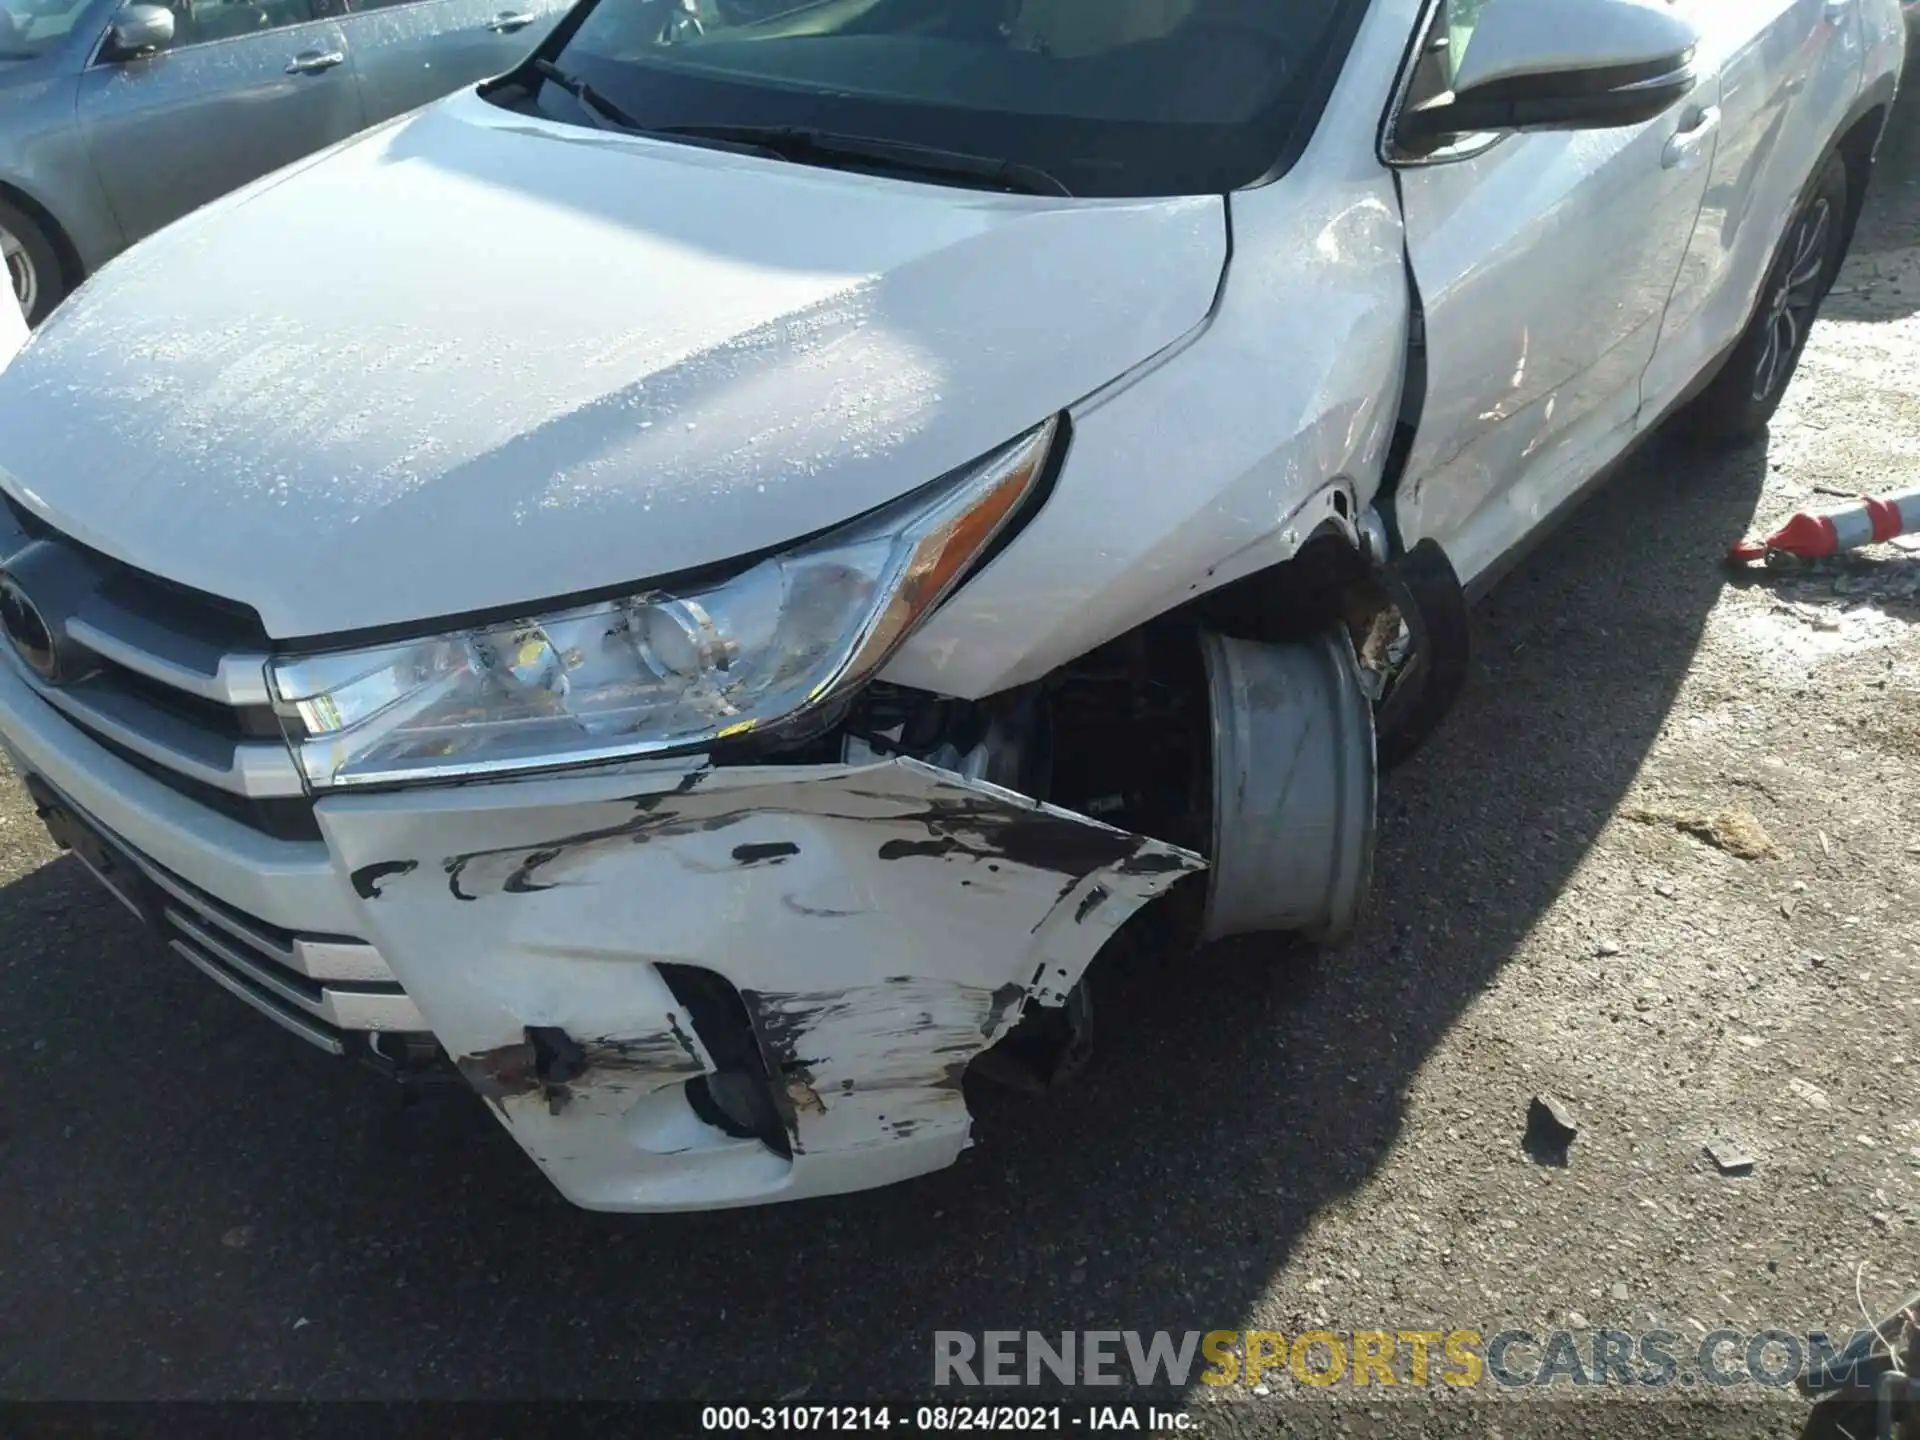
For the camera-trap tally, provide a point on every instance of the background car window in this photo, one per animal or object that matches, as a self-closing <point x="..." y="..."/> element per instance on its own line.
<point x="202" y="22"/>
<point x="1462" y="16"/>
<point x="31" y="27"/>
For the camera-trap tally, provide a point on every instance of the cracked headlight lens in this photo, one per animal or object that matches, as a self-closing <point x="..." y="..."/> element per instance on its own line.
<point x="653" y="672"/>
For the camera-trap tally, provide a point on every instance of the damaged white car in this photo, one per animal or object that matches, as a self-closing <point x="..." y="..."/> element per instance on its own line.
<point x="697" y="584"/>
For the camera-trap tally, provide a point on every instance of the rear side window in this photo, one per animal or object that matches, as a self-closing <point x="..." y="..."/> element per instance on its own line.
<point x="225" y="19"/>
<point x="202" y="22"/>
<point x="28" y="29"/>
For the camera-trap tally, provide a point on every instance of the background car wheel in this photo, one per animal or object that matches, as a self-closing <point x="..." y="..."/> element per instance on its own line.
<point x="33" y="270"/>
<point x="1735" y="408"/>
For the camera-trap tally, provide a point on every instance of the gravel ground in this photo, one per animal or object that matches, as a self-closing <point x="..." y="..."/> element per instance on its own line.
<point x="1662" y="863"/>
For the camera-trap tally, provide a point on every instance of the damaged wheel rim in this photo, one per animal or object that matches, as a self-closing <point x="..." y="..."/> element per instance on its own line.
<point x="1294" y="787"/>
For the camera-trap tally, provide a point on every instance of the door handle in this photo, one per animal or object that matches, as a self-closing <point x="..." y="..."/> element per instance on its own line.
<point x="312" y="62"/>
<point x="1686" y="147"/>
<point x="508" y="21"/>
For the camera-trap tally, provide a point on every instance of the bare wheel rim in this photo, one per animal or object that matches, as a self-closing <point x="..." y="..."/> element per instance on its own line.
<point x="26" y="283"/>
<point x="1795" y="297"/>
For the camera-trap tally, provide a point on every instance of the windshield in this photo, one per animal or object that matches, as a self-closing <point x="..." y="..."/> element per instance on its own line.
<point x="1111" y="97"/>
<point x="31" y="27"/>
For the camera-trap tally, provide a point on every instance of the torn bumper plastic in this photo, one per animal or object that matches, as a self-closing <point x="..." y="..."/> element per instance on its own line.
<point x="881" y="925"/>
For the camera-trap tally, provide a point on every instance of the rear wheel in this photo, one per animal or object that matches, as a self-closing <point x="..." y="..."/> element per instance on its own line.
<point x="1737" y="407"/>
<point x="33" y="270"/>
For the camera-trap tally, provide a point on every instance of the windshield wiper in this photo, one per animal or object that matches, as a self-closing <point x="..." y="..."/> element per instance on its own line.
<point x="591" y="100"/>
<point x="804" y="146"/>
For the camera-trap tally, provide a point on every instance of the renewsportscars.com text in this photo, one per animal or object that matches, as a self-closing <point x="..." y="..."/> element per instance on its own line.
<point x="1321" y="1359"/>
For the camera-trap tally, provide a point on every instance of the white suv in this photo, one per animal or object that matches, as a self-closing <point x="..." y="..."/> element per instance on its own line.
<point x="703" y="580"/>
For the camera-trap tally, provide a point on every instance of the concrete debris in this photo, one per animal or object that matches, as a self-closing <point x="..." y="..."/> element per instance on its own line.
<point x="1731" y="1159"/>
<point x="1551" y="1128"/>
<point x="1813" y="1095"/>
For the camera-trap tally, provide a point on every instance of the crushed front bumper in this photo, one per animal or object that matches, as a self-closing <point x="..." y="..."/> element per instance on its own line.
<point x="880" y="924"/>
<point x="873" y="928"/>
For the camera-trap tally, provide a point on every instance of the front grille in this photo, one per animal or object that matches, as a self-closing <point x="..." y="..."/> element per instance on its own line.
<point x="170" y="680"/>
<point x="327" y="989"/>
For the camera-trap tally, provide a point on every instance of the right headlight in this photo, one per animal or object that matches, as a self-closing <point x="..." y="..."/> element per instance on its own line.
<point x="653" y="672"/>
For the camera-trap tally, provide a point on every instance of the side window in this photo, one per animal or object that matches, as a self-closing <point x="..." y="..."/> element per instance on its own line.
<point x="1439" y="62"/>
<point x="1446" y="43"/>
<point x="1461" y="17"/>
<point x="202" y="22"/>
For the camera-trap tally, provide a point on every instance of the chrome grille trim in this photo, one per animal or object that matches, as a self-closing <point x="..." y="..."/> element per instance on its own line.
<point x="173" y="680"/>
<point x="237" y="680"/>
<point x="327" y="989"/>
<point x="339" y="1008"/>
<point x="259" y="771"/>
<point x="313" y="958"/>
<point x="279" y="1014"/>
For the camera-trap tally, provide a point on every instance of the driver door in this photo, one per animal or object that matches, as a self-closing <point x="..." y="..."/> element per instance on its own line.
<point x="1544" y="262"/>
<point x="245" y="88"/>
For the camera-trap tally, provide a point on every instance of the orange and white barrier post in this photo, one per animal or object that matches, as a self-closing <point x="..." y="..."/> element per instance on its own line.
<point x="1814" y="537"/>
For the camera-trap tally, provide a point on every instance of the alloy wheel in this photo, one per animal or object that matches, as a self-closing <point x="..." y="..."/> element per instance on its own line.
<point x="20" y="271"/>
<point x="1795" y="300"/>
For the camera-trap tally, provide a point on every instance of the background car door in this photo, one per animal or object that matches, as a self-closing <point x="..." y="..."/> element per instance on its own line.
<point x="1789" y="71"/>
<point x="248" y="86"/>
<point x="1544" y="262"/>
<point x="410" y="52"/>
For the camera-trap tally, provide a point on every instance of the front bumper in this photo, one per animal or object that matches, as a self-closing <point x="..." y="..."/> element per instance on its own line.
<point x="879" y="924"/>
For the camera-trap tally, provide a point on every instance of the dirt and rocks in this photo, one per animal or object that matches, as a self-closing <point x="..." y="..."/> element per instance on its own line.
<point x="1663" y="866"/>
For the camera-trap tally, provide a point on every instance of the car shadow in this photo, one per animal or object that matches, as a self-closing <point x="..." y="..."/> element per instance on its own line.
<point x="232" y="1190"/>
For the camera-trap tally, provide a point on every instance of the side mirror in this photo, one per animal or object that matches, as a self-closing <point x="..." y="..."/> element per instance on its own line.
<point x="1561" y="65"/>
<point x="139" y="30"/>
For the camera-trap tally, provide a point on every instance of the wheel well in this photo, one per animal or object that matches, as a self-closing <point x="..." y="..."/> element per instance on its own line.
<point x="1856" y="149"/>
<point x="1328" y="581"/>
<point x="72" y="272"/>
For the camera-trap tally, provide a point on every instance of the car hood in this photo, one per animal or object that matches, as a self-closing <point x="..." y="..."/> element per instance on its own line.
<point x="472" y="360"/>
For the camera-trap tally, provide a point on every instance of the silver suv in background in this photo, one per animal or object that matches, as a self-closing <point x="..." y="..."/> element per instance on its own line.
<point x="116" y="118"/>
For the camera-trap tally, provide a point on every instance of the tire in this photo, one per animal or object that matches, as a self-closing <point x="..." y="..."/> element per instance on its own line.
<point x="1736" y="408"/>
<point x="31" y="264"/>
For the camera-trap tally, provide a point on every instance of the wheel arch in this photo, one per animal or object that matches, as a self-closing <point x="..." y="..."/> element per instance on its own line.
<point x="72" y="269"/>
<point x="1857" y="141"/>
<point x="1857" y="145"/>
